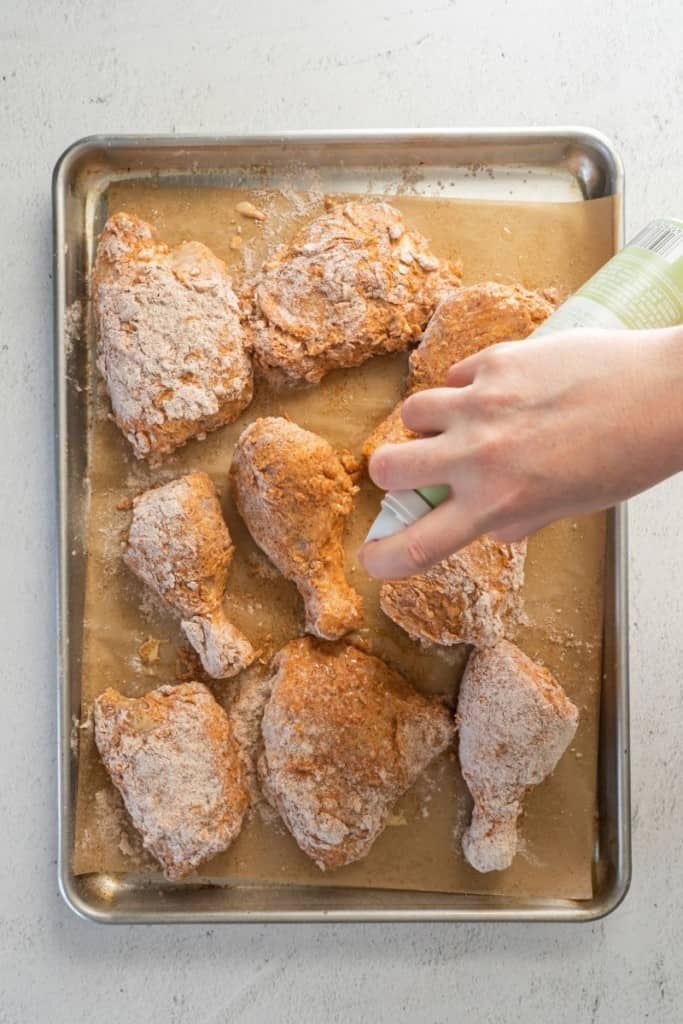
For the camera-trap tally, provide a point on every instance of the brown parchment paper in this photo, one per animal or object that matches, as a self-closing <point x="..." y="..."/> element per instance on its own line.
<point x="538" y="245"/>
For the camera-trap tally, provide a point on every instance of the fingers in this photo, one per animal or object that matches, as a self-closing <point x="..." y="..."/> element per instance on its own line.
<point x="462" y="374"/>
<point x="431" y="539"/>
<point x="429" y="412"/>
<point x="397" y="467"/>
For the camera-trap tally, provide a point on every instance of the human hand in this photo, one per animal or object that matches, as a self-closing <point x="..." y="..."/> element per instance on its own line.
<point x="528" y="432"/>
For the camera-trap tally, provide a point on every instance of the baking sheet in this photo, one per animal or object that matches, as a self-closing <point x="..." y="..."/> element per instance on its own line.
<point x="539" y="245"/>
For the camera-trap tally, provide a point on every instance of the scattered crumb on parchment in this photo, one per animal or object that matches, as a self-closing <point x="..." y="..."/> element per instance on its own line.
<point x="251" y="212"/>
<point x="262" y="566"/>
<point x="523" y="850"/>
<point x="451" y="655"/>
<point x="149" y="650"/>
<point x="151" y="606"/>
<point x="304" y="200"/>
<point x="302" y="204"/>
<point x="137" y="478"/>
<point x="110" y="828"/>
<point x="430" y="783"/>
<point x="75" y="734"/>
<point x="568" y="641"/>
<point x="73" y="325"/>
<point x="101" y="406"/>
<point x="111" y="534"/>
<point x="396" y="819"/>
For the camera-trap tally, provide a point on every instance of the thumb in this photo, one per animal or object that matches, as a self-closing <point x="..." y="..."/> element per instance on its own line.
<point x="440" y="533"/>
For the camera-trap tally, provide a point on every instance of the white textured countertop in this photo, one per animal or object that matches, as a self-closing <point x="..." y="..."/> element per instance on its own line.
<point x="68" y="69"/>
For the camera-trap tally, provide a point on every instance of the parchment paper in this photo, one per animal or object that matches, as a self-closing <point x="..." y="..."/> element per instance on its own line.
<point x="538" y="245"/>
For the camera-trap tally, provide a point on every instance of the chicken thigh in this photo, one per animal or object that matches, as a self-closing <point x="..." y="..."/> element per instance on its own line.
<point x="179" y="545"/>
<point x="172" y="350"/>
<point x="515" y="723"/>
<point x="172" y="756"/>
<point x="352" y="284"/>
<point x="472" y="597"/>
<point x="344" y="736"/>
<point x="295" y="494"/>
<point x="464" y="323"/>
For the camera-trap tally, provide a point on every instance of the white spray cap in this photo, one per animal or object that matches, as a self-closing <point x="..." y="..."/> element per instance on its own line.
<point x="399" y="509"/>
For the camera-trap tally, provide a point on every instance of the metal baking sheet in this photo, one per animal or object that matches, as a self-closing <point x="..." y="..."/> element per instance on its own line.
<point x="538" y="164"/>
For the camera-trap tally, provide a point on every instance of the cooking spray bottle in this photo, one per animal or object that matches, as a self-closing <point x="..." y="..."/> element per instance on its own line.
<point x="640" y="287"/>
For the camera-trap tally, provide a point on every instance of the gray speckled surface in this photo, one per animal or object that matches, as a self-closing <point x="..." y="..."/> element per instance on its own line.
<point x="68" y="69"/>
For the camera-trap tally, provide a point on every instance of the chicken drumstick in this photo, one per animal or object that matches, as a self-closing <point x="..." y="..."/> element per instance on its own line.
<point x="295" y="493"/>
<point x="179" y="545"/>
<point x="515" y="724"/>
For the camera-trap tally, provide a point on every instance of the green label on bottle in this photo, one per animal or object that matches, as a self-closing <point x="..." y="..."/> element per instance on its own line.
<point x="434" y="495"/>
<point x="640" y="287"/>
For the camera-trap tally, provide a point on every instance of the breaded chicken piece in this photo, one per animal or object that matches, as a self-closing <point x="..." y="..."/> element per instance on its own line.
<point x="172" y="350"/>
<point x="472" y="597"/>
<point x="470" y="320"/>
<point x="391" y="430"/>
<point x="295" y="493"/>
<point x="464" y="323"/>
<point x="172" y="757"/>
<point x="344" y="736"/>
<point x="354" y="283"/>
<point x="515" y="723"/>
<point x="180" y="546"/>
